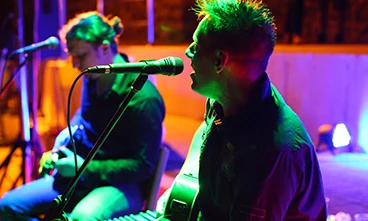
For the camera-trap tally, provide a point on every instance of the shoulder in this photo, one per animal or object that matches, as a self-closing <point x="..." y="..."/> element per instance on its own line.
<point x="289" y="130"/>
<point x="149" y="93"/>
<point x="290" y="137"/>
<point x="124" y="56"/>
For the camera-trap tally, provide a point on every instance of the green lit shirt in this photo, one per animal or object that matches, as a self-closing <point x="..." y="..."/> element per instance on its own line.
<point x="259" y="165"/>
<point x="130" y="152"/>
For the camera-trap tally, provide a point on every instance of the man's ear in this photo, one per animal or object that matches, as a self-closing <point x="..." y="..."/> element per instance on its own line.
<point x="105" y="46"/>
<point x="221" y="60"/>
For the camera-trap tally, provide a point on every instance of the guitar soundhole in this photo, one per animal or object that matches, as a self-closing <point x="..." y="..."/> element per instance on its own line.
<point x="179" y="206"/>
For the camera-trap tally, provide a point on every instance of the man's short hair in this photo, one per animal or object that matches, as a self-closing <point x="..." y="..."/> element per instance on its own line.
<point x="243" y="27"/>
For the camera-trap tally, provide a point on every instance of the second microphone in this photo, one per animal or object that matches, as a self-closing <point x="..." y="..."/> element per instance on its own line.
<point x="169" y="66"/>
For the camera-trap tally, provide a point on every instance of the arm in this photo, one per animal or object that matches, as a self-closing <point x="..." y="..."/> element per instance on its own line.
<point x="49" y="158"/>
<point x="63" y="137"/>
<point x="190" y="166"/>
<point x="192" y="159"/>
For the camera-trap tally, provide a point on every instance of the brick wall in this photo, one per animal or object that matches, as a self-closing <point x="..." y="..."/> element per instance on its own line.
<point x="175" y="23"/>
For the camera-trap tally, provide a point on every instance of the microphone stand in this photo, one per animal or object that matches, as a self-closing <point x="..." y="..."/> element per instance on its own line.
<point x="25" y="139"/>
<point x="11" y="79"/>
<point x="56" y="211"/>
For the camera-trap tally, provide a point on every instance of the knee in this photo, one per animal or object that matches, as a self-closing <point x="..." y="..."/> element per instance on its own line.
<point x="6" y="206"/>
<point x="81" y="215"/>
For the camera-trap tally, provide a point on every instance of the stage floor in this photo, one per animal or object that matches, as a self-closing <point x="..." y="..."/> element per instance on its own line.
<point x="345" y="178"/>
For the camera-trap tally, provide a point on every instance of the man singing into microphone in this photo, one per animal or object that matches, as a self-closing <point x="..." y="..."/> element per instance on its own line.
<point x="113" y="181"/>
<point x="256" y="160"/>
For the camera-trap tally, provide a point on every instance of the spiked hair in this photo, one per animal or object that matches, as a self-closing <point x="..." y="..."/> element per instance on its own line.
<point x="243" y="27"/>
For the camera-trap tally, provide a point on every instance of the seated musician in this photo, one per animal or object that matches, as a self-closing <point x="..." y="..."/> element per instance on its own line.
<point x="112" y="183"/>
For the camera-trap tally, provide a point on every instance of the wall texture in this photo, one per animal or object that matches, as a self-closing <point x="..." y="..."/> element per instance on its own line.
<point x="323" y="84"/>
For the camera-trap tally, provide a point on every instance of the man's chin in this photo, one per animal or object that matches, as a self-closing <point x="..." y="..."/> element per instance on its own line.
<point x="195" y="87"/>
<point x="199" y="90"/>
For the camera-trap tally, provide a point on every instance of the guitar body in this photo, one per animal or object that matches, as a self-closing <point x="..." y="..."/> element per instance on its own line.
<point x="182" y="204"/>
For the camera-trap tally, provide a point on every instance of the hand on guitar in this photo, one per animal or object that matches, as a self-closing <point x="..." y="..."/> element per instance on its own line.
<point x="66" y="165"/>
<point x="47" y="163"/>
<point x="61" y="159"/>
<point x="49" y="158"/>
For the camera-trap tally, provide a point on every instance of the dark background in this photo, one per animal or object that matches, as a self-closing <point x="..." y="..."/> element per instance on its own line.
<point x="175" y="22"/>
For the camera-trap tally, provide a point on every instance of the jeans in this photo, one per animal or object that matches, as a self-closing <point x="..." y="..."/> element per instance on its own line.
<point x="29" y="201"/>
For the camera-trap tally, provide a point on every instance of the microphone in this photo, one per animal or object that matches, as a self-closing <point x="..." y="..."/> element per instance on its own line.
<point x="169" y="66"/>
<point x="51" y="42"/>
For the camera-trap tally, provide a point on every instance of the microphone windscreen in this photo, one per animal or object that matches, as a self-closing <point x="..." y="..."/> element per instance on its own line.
<point x="52" y="42"/>
<point x="178" y="63"/>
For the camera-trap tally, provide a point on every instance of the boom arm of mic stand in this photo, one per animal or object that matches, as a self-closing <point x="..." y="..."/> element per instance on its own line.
<point x="56" y="211"/>
<point x="7" y="84"/>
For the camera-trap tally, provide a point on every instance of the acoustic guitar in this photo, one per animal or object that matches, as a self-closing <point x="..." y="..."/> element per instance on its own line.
<point x="182" y="204"/>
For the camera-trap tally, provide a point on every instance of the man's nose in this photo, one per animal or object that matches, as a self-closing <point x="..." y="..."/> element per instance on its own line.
<point x="188" y="53"/>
